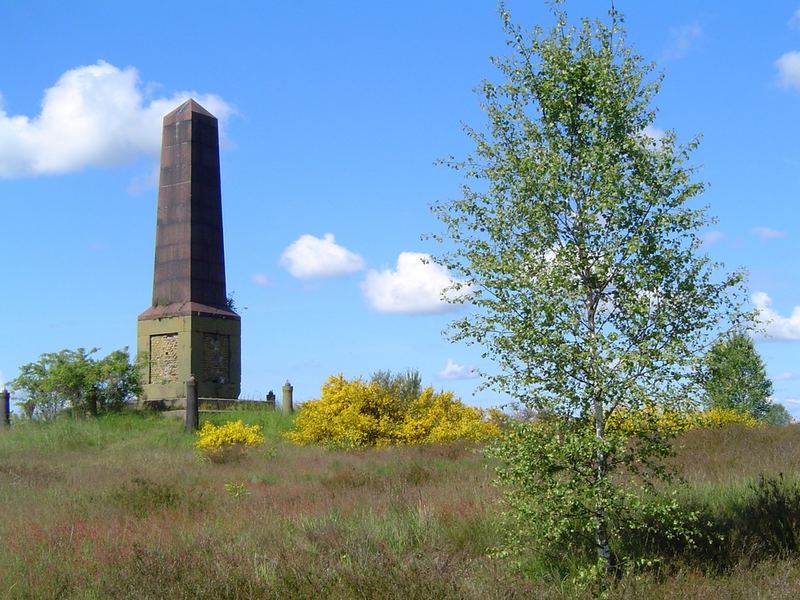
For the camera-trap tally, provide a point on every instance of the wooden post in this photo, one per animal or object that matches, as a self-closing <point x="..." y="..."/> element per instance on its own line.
<point x="5" y="409"/>
<point x="286" y="403"/>
<point x="192" y="408"/>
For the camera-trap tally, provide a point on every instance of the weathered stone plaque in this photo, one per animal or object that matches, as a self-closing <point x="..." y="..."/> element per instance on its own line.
<point x="163" y="358"/>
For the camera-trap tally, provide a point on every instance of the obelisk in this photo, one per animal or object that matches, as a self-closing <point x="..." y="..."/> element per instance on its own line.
<point x="190" y="330"/>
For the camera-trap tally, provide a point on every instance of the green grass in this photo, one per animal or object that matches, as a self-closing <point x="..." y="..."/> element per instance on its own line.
<point x="272" y="422"/>
<point x="66" y="434"/>
<point x="121" y="507"/>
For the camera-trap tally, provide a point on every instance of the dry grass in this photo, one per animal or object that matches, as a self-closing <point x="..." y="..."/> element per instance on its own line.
<point x="710" y="456"/>
<point x="124" y="509"/>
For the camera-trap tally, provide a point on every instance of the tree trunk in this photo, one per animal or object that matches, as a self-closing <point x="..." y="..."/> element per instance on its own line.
<point x="601" y="533"/>
<point x="601" y="467"/>
<point x="603" y="547"/>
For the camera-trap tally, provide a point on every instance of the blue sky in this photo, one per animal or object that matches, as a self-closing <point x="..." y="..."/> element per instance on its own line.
<point x="333" y="114"/>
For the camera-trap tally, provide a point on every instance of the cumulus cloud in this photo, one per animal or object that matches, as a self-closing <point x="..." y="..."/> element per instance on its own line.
<point x="765" y="233"/>
<point x="789" y="69"/>
<point x="453" y="370"/>
<point x="416" y="286"/>
<point x="775" y="326"/>
<point x="94" y="115"/>
<point x="311" y="257"/>
<point x="260" y="279"/>
<point x="682" y="38"/>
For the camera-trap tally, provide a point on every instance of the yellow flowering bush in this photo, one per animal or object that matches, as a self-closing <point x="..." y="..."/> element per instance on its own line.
<point x="436" y="418"/>
<point x="717" y="418"/>
<point x="228" y="442"/>
<point x="676" y="421"/>
<point x="356" y="414"/>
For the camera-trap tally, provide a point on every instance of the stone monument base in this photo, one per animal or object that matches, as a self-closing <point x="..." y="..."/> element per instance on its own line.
<point x="179" y="346"/>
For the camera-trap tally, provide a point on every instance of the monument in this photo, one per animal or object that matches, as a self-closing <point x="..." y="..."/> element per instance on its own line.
<point x="190" y="330"/>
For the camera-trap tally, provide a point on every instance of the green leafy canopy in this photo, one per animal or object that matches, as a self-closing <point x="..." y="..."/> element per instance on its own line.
<point x="736" y="377"/>
<point x="576" y="242"/>
<point x="75" y="379"/>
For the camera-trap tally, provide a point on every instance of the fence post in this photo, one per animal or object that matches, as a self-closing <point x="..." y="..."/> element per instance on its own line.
<point x="192" y="412"/>
<point x="287" y="406"/>
<point x="5" y="409"/>
<point x="271" y="400"/>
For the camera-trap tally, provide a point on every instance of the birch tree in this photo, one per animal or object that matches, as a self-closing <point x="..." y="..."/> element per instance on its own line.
<point x="576" y="242"/>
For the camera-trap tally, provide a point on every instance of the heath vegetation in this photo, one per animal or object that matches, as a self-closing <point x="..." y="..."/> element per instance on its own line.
<point x="120" y="507"/>
<point x="577" y="243"/>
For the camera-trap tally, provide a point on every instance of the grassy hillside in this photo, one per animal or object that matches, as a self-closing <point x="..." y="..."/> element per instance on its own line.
<point x="120" y="507"/>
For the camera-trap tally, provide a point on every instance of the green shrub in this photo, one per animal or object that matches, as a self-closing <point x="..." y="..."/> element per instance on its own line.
<point x="75" y="380"/>
<point x="141" y="497"/>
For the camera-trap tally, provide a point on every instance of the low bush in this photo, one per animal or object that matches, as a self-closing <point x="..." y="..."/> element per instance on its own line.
<point x="751" y="522"/>
<point x="717" y="418"/>
<point x="227" y="442"/>
<point x="75" y="380"/>
<point x="677" y="422"/>
<point x="142" y="497"/>
<point x="355" y="414"/>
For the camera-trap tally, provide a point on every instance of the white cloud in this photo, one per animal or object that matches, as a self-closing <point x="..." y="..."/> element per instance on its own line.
<point x="415" y="287"/>
<point x="311" y="257"/>
<point x="775" y="326"/>
<point x="790" y="404"/>
<point x="145" y="181"/>
<point x="453" y="370"/>
<point x="765" y="233"/>
<point x="785" y="376"/>
<point x="711" y="237"/>
<point x="682" y="38"/>
<point x="789" y="69"/>
<point x="653" y="137"/>
<point x="654" y="133"/>
<point x="795" y="20"/>
<point x="94" y="115"/>
<point x="260" y="279"/>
